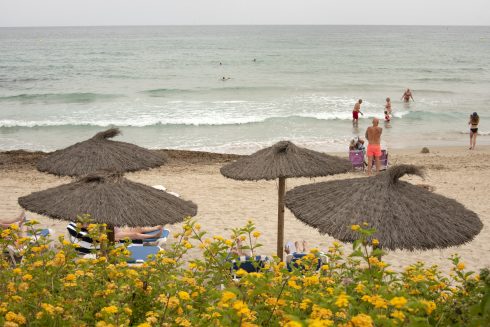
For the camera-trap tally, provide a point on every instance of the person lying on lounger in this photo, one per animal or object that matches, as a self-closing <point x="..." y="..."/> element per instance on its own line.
<point x="137" y="233"/>
<point x="19" y="221"/>
<point x="298" y="247"/>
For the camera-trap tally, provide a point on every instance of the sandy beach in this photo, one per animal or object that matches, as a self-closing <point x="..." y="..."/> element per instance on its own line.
<point x="224" y="204"/>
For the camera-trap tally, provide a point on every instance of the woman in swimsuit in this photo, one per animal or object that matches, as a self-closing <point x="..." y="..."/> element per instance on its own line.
<point x="407" y="96"/>
<point x="474" y="121"/>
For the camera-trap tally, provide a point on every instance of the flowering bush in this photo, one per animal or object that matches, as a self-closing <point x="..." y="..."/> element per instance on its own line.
<point x="54" y="287"/>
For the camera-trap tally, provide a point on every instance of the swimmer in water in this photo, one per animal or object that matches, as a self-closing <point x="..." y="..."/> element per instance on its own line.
<point x="407" y="96"/>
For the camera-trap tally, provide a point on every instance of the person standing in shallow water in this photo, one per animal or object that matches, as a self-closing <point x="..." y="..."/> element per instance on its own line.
<point x="407" y="96"/>
<point x="373" y="135"/>
<point x="355" y="112"/>
<point x="388" y="105"/>
<point x="474" y="121"/>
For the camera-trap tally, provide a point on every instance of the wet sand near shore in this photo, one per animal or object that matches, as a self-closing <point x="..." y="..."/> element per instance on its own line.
<point x="224" y="204"/>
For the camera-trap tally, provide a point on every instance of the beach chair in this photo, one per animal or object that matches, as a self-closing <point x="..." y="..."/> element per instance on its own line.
<point x="140" y="254"/>
<point x="292" y="261"/>
<point x="15" y="253"/>
<point x="80" y="237"/>
<point x="249" y="264"/>
<point x="356" y="158"/>
<point x="383" y="160"/>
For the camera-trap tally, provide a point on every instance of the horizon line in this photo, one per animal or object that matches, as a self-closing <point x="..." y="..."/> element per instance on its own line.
<point x="246" y="25"/>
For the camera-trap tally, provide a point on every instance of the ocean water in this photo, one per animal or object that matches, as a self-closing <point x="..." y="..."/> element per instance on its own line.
<point x="162" y="87"/>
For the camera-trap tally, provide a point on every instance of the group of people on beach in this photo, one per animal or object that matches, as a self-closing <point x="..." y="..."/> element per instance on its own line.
<point x="373" y="133"/>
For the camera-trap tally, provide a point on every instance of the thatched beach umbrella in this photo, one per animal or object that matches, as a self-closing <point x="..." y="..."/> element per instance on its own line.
<point x="404" y="215"/>
<point x="284" y="160"/>
<point x="100" y="153"/>
<point x="109" y="198"/>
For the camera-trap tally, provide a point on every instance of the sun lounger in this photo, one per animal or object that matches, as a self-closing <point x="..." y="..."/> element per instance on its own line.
<point x="140" y="254"/>
<point x="14" y="253"/>
<point x="249" y="264"/>
<point x="292" y="261"/>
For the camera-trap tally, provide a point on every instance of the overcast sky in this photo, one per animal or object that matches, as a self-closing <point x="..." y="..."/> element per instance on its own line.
<point x="250" y="12"/>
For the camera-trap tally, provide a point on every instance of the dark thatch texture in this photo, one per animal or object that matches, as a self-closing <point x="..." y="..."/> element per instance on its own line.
<point x="109" y="198"/>
<point x="284" y="159"/>
<point x="405" y="216"/>
<point x="100" y="153"/>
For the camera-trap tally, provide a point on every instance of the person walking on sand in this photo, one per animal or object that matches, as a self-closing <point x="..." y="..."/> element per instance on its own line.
<point x="355" y="112"/>
<point x="474" y="121"/>
<point x="407" y="96"/>
<point x="388" y="105"/>
<point x="373" y="135"/>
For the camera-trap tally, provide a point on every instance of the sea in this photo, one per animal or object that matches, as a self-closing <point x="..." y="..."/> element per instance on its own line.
<point x="163" y="85"/>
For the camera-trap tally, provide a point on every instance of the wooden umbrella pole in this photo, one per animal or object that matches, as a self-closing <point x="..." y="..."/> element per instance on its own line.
<point x="110" y="234"/>
<point x="280" y="217"/>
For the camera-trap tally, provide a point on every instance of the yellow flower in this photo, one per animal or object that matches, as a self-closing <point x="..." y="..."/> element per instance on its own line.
<point x="460" y="266"/>
<point x="375" y="242"/>
<point x="362" y="320"/>
<point x="70" y="277"/>
<point x="293" y="284"/>
<point x="184" y="295"/>
<point x="241" y="272"/>
<point x="320" y="323"/>
<point x="398" y="315"/>
<point x="27" y="277"/>
<point x="241" y="308"/>
<point x="145" y="324"/>
<point x="360" y="288"/>
<point x="293" y="324"/>
<point x="17" y="318"/>
<point x="197" y="227"/>
<point x="429" y="306"/>
<point x="110" y="309"/>
<point x="256" y="234"/>
<point x="312" y="280"/>
<point x="342" y="300"/>
<point x="226" y="296"/>
<point x="398" y="302"/>
<point x="355" y="227"/>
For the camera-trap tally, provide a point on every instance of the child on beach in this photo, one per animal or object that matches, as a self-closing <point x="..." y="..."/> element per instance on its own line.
<point x="388" y="105"/>
<point x="387" y="116"/>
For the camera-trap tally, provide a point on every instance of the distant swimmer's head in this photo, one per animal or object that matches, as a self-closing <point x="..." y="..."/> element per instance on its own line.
<point x="360" y="101"/>
<point x="388" y="99"/>
<point x="474" y="114"/>
<point x="375" y="121"/>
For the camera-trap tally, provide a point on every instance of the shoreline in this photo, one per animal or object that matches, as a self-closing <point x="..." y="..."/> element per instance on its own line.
<point x="25" y="159"/>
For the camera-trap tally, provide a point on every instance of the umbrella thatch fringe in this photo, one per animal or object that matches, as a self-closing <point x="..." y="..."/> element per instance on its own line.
<point x="110" y="133"/>
<point x="405" y="216"/>
<point x="285" y="159"/>
<point x="109" y="198"/>
<point x="100" y="153"/>
<point x="396" y="172"/>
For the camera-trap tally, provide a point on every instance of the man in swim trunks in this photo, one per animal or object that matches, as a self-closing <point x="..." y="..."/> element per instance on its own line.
<point x="407" y="96"/>
<point x="355" y="112"/>
<point x="373" y="135"/>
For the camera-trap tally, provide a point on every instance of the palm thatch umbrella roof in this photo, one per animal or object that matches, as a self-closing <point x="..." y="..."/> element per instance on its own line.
<point x="100" y="153"/>
<point x="284" y="160"/>
<point x="404" y="215"/>
<point x="109" y="198"/>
